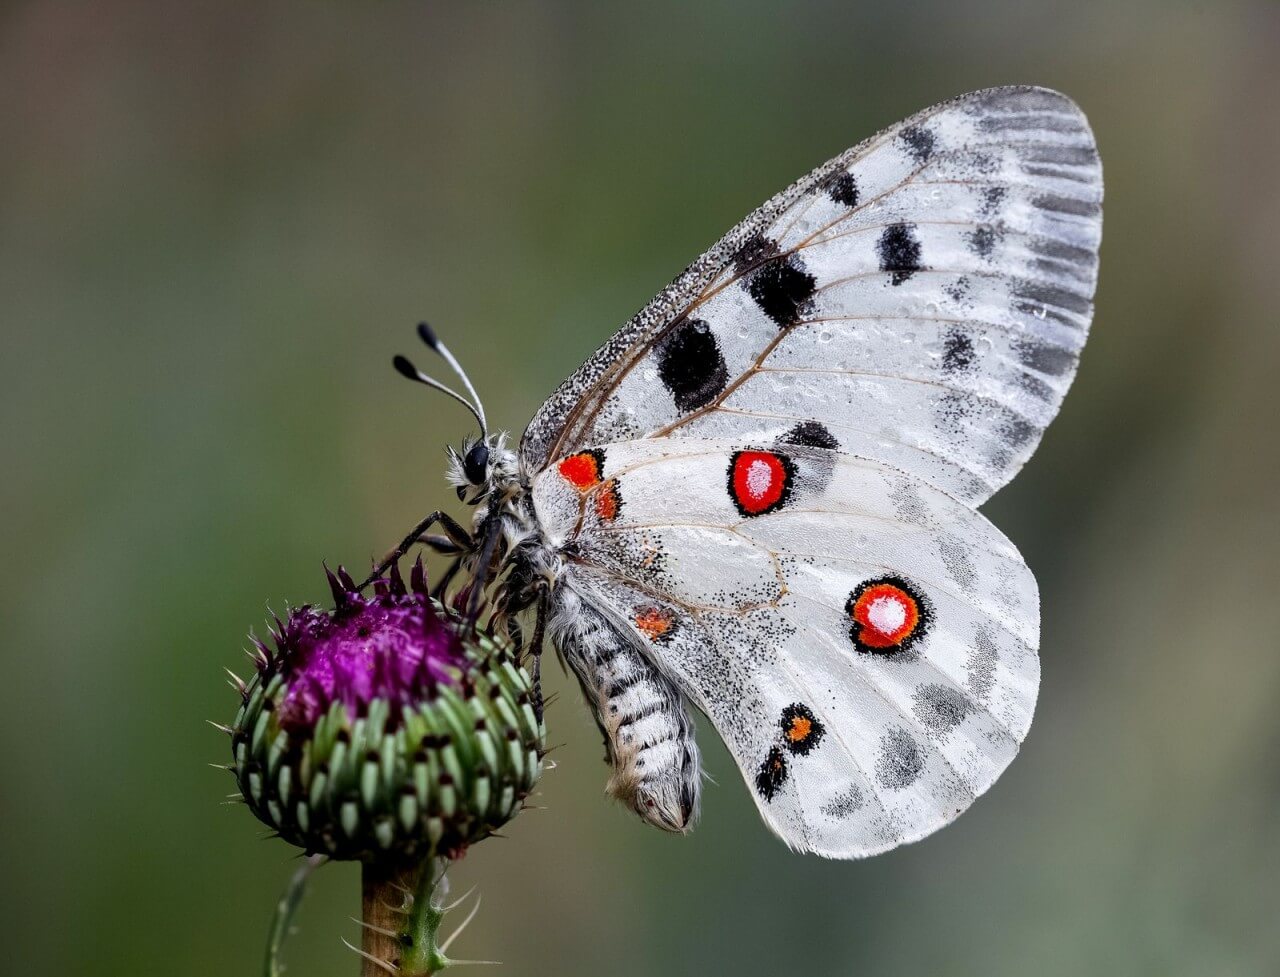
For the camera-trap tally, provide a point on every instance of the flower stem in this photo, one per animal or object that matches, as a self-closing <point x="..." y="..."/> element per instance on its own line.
<point x="285" y="910"/>
<point x="384" y="902"/>
<point x="401" y="916"/>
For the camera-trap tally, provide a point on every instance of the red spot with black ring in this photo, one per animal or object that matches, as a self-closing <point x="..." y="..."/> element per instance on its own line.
<point x="888" y="615"/>
<point x="760" y="481"/>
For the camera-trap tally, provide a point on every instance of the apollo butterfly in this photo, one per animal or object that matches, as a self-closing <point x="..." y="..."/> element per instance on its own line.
<point x="759" y="498"/>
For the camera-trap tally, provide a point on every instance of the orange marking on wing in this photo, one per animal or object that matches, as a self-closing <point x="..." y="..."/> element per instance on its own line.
<point x="799" y="729"/>
<point x="653" y="622"/>
<point x="607" y="502"/>
<point x="582" y="470"/>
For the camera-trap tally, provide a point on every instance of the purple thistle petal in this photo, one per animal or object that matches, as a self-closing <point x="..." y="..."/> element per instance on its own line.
<point x="392" y="646"/>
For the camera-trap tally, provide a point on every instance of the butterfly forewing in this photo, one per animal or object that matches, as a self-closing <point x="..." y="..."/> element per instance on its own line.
<point x="924" y="297"/>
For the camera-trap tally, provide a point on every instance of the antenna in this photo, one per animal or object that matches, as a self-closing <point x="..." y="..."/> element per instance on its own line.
<point x="409" y="371"/>
<point x="428" y="336"/>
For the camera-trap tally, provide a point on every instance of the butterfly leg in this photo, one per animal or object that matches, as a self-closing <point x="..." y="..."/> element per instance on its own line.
<point x="440" y="544"/>
<point x="446" y="578"/>
<point x="535" y="649"/>
<point x="483" y="568"/>
<point x="454" y="530"/>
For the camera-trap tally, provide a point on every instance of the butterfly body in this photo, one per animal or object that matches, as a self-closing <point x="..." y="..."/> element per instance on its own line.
<point x="759" y="497"/>
<point x="648" y="732"/>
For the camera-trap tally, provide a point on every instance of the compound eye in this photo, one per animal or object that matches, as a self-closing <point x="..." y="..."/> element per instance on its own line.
<point x="476" y="464"/>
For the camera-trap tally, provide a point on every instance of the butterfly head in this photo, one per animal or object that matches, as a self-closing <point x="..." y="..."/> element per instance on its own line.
<point x="484" y="464"/>
<point x="481" y="467"/>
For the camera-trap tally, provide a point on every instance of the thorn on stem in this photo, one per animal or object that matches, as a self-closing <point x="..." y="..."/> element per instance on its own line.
<point x="444" y="947"/>
<point x="375" y="929"/>
<point x="371" y="958"/>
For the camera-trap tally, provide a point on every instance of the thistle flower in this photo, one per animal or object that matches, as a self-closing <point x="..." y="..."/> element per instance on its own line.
<point x="387" y="730"/>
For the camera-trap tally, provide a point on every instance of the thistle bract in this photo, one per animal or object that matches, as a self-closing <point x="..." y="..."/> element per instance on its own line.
<point x="386" y="728"/>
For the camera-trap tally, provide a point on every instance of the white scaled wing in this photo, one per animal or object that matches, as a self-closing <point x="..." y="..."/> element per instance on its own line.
<point x="768" y="479"/>
<point x="923" y="298"/>
<point x="864" y="643"/>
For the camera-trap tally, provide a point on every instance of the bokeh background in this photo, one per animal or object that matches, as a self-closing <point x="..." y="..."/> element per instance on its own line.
<point x="218" y="221"/>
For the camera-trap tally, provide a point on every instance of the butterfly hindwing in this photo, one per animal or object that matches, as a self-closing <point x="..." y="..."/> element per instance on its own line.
<point x="864" y="643"/>
<point x="921" y="299"/>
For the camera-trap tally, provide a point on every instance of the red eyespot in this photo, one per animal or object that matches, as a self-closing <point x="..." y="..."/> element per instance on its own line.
<point x="759" y="481"/>
<point x="887" y="614"/>
<point x="582" y="470"/>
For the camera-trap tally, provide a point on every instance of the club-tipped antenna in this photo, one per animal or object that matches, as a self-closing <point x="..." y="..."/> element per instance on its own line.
<point x="411" y="372"/>
<point x="428" y="336"/>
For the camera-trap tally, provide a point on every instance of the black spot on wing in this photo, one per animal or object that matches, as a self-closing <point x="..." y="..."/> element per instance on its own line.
<point x="958" y="353"/>
<point x="844" y="190"/>
<point x="691" y="365"/>
<point x="1045" y="312"/>
<point x="812" y="434"/>
<point x="782" y="289"/>
<point x="1060" y="155"/>
<point x="1049" y="294"/>
<point x="919" y="143"/>
<point x="980" y="665"/>
<point x="1071" y="206"/>
<point x="900" y="763"/>
<point x="1061" y="251"/>
<point x="899" y="251"/>
<point x="954" y="410"/>
<point x="982" y="241"/>
<point x="754" y="252"/>
<point x="1022" y="122"/>
<point x="772" y="774"/>
<point x="1018" y="432"/>
<point x="1047" y="358"/>
<point x="845" y="803"/>
<point x="940" y="708"/>
<point x="992" y="198"/>
<point x="1036" y="387"/>
<point x="958" y="562"/>
<point x="907" y="504"/>
<point x="958" y="291"/>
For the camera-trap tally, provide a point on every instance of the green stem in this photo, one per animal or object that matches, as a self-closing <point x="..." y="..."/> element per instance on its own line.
<point x="286" y="908"/>
<point x="402" y="915"/>
<point x="422" y="955"/>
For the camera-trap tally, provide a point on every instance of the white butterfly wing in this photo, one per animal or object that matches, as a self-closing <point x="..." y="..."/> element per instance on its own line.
<point x="886" y="340"/>
<point x="849" y="745"/>
<point x="921" y="299"/>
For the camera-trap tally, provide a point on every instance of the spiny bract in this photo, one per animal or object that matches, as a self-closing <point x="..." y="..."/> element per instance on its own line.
<point x="387" y="728"/>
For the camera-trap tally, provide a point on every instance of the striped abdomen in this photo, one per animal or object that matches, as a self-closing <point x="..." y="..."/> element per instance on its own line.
<point x="648" y="733"/>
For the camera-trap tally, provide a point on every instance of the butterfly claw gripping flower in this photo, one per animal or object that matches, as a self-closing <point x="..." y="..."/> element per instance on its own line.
<point x="386" y="729"/>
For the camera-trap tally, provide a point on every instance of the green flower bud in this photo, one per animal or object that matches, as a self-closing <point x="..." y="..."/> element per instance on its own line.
<point x="387" y="729"/>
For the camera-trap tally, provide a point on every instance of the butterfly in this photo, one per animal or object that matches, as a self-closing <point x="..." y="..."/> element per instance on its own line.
<point x="759" y="497"/>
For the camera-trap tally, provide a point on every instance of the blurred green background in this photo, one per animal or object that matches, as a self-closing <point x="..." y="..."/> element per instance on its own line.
<point x="219" y="220"/>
